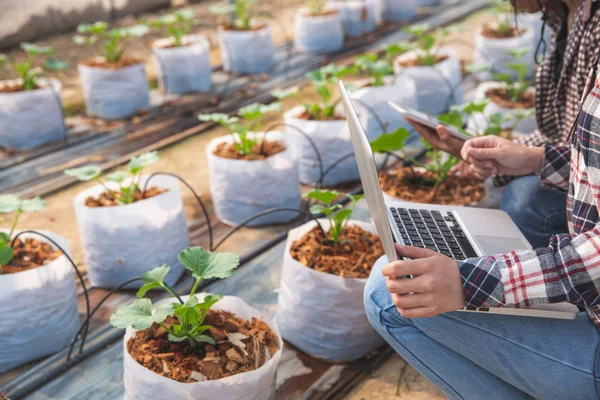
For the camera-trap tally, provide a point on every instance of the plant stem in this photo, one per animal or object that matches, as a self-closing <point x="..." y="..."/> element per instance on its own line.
<point x="169" y="330"/>
<point x="14" y="225"/>
<point x="195" y="287"/>
<point x="112" y="194"/>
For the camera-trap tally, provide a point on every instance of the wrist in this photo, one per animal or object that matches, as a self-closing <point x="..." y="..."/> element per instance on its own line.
<point x="537" y="158"/>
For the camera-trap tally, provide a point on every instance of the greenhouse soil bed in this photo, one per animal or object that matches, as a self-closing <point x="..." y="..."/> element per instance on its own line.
<point x="260" y="151"/>
<point x="101" y="62"/>
<point x="415" y="62"/>
<point x="408" y="184"/>
<point x="500" y="97"/>
<point x="241" y="346"/>
<point x="30" y="254"/>
<point x="492" y="33"/>
<point x="106" y="199"/>
<point x="353" y="257"/>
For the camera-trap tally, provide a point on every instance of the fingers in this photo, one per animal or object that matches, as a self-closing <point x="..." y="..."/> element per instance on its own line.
<point x="482" y="173"/>
<point x="403" y="268"/>
<point x="423" y="130"/>
<point x="414" y="253"/>
<point x="418" y="284"/>
<point x="412" y="300"/>
<point x="419" y="312"/>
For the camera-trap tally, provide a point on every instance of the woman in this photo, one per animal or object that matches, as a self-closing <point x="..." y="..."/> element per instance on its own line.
<point x="559" y="83"/>
<point x="486" y="356"/>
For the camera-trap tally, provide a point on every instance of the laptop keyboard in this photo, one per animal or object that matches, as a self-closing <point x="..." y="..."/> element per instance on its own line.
<point x="433" y="230"/>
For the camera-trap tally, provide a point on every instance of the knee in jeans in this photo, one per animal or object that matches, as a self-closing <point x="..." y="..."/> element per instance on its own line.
<point x="516" y="196"/>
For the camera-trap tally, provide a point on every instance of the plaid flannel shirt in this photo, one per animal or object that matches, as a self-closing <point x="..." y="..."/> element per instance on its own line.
<point x="560" y="80"/>
<point x="568" y="270"/>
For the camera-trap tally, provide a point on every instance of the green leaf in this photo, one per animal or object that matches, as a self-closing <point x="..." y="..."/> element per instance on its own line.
<point x="186" y="14"/>
<point x="397" y="49"/>
<point x="221" y="9"/>
<point x="208" y="302"/>
<point x="205" y="264"/>
<point x="282" y="94"/>
<point x="153" y="279"/>
<point x="204" y="339"/>
<point x="3" y="60"/>
<point x="33" y="205"/>
<point x="390" y="142"/>
<point x="318" y="209"/>
<point x="6" y="254"/>
<point x="117" y="176"/>
<point x="323" y="195"/>
<point x="143" y="160"/>
<point x="85" y="173"/>
<point x="355" y="198"/>
<point x="139" y="315"/>
<point x="9" y="203"/>
<point x="342" y="215"/>
<point x="220" y="118"/>
<point x="453" y="118"/>
<point x="518" y="53"/>
<point x="96" y="28"/>
<point x="137" y="30"/>
<point x="34" y="49"/>
<point x="55" y="65"/>
<point x="176" y="339"/>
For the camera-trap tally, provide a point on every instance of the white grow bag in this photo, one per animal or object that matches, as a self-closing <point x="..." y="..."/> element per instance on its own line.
<point x="143" y="384"/>
<point x="332" y="139"/>
<point x="534" y="22"/>
<point x="114" y="94"/>
<point x="320" y="313"/>
<point x="183" y="69"/>
<point x="495" y="52"/>
<point x="247" y="52"/>
<point x="399" y="90"/>
<point x="439" y="86"/>
<point x="319" y="33"/>
<point x="38" y="308"/>
<point x="480" y="121"/>
<point x="357" y="17"/>
<point x="31" y="118"/>
<point x="398" y="10"/>
<point x="427" y="3"/>
<point x="122" y="242"/>
<point x="240" y="189"/>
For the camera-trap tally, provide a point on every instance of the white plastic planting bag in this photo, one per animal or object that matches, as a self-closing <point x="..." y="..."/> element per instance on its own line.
<point x="318" y="34"/>
<point x="31" y="118"/>
<point x="394" y="10"/>
<point x="114" y="93"/>
<point x="439" y="86"/>
<point x="247" y="52"/>
<point x="332" y="139"/>
<point x="479" y="122"/>
<point x="495" y="52"/>
<point x="143" y="384"/>
<point x="38" y="308"/>
<point x="241" y="189"/>
<point x="427" y="3"/>
<point x="399" y="90"/>
<point x="357" y="17"/>
<point x="183" y="69"/>
<point x="320" y="313"/>
<point x="122" y="242"/>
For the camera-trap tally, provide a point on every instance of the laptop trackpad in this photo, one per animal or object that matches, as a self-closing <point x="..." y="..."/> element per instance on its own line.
<point x="491" y="245"/>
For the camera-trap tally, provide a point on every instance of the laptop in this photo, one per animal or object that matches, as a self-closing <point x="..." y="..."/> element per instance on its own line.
<point x="457" y="232"/>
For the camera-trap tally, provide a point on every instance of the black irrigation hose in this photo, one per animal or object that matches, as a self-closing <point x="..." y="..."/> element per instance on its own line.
<point x="79" y="275"/>
<point x="59" y="105"/>
<point x="198" y="199"/>
<point x="262" y="214"/>
<point x="373" y="113"/>
<point x="91" y="314"/>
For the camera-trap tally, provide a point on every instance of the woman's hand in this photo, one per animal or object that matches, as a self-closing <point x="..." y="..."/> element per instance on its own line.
<point x="491" y="155"/>
<point x="463" y="169"/>
<point x="435" y="287"/>
<point x="439" y="138"/>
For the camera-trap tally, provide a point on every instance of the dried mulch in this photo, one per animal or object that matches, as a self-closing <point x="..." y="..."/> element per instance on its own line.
<point x="30" y="254"/>
<point x="309" y="117"/>
<point x="254" y="345"/>
<point x="500" y="97"/>
<point x="415" y="62"/>
<point x="227" y="27"/>
<point x="259" y="151"/>
<point x="407" y="184"/>
<point x="493" y="33"/>
<point x="105" y="199"/>
<point x="101" y="62"/>
<point x="353" y="257"/>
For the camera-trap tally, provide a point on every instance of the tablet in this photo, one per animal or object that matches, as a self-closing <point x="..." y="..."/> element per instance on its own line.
<point x="428" y="120"/>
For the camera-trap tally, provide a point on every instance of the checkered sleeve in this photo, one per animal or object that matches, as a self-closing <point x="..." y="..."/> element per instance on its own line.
<point x="556" y="167"/>
<point x="568" y="270"/>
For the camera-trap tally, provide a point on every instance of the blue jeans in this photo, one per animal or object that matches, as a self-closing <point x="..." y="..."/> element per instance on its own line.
<point x="486" y="356"/>
<point x="539" y="213"/>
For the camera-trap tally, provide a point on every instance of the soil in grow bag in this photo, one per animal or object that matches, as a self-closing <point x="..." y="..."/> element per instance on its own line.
<point x="415" y="62"/>
<point x="30" y="254"/>
<point x="309" y="117"/>
<point x="410" y="185"/>
<point x="500" y="96"/>
<point x="13" y="88"/>
<point x="101" y="62"/>
<point x="228" y="150"/>
<point x="493" y="33"/>
<point x="106" y="199"/>
<point x="227" y="27"/>
<point x="353" y="257"/>
<point x="241" y="346"/>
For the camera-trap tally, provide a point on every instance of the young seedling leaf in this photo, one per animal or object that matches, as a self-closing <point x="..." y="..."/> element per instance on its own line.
<point x="323" y="195"/>
<point x="153" y="279"/>
<point x="85" y="173"/>
<point x="9" y="203"/>
<point x="206" y="265"/>
<point x="137" y="30"/>
<point x="390" y="142"/>
<point x="55" y="65"/>
<point x="220" y="118"/>
<point x="33" y="205"/>
<point x="281" y="94"/>
<point x="452" y="118"/>
<point x="342" y="215"/>
<point x="143" y="160"/>
<point x="117" y="176"/>
<point x="32" y="48"/>
<point x="139" y="315"/>
<point x="6" y="254"/>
